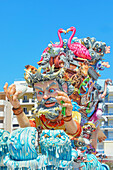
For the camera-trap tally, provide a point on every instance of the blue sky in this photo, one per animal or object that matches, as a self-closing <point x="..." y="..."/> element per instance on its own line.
<point x="27" y="26"/>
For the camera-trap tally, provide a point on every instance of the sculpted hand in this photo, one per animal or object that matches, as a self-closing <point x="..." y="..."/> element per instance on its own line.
<point x="12" y="95"/>
<point x="101" y="136"/>
<point x="106" y="64"/>
<point x="63" y="96"/>
<point x="107" y="49"/>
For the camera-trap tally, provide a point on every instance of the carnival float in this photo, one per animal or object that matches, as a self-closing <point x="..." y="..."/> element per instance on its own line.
<point x="76" y="64"/>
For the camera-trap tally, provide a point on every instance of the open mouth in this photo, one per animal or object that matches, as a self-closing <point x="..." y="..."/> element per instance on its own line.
<point x="48" y="104"/>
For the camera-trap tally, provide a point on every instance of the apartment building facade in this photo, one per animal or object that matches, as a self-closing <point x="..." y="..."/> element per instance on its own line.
<point x="5" y="113"/>
<point x="8" y="120"/>
<point x="106" y="125"/>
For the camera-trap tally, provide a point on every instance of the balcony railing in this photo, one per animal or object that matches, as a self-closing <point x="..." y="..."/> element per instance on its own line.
<point x="16" y="125"/>
<point x="106" y="126"/>
<point x="100" y="150"/>
<point x="108" y="101"/>
<point x="1" y="125"/>
<point x="104" y="114"/>
<point x="29" y="113"/>
<point x="29" y="101"/>
<point x="25" y="101"/>
<point x="109" y="139"/>
<point x="3" y="102"/>
<point x="1" y="113"/>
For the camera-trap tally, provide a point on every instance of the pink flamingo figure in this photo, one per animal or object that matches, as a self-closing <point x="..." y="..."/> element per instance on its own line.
<point x="78" y="49"/>
<point x="54" y="45"/>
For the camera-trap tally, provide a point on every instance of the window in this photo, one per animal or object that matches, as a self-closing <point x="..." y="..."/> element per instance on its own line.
<point x="1" y="108"/>
<point x="110" y="98"/>
<point x="106" y="109"/>
<point x="111" y="110"/>
<point x="25" y="110"/>
<point x="110" y="123"/>
<point x="25" y="99"/>
<point x="100" y="146"/>
<point x="15" y="125"/>
<point x="1" y="121"/>
<point x="110" y="134"/>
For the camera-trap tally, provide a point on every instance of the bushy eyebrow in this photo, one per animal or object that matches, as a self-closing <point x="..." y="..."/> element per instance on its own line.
<point x="53" y="83"/>
<point x="39" y="88"/>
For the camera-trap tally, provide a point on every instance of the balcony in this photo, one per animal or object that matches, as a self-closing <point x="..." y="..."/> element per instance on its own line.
<point x="100" y="150"/>
<point x="109" y="139"/>
<point x="3" y="102"/>
<point x="1" y="113"/>
<point x="110" y="102"/>
<point x="1" y="125"/>
<point x="27" y="102"/>
<point x="107" y="114"/>
<point x="15" y="125"/>
<point x="29" y="113"/>
<point x="107" y="127"/>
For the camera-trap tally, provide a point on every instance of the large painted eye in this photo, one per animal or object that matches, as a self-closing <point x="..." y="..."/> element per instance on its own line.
<point x="40" y="93"/>
<point x="83" y="144"/>
<point x="80" y="143"/>
<point x="51" y="90"/>
<point x="99" y="50"/>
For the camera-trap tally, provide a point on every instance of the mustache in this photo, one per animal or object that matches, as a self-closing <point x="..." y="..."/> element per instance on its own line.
<point x="43" y="101"/>
<point x="50" y="100"/>
<point x="51" y="112"/>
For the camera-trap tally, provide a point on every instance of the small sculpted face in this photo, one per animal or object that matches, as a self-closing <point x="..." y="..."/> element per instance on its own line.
<point x="99" y="48"/>
<point x="56" y="144"/>
<point x="45" y="62"/>
<point x="54" y="138"/>
<point x="88" y="128"/>
<point x="86" y="42"/>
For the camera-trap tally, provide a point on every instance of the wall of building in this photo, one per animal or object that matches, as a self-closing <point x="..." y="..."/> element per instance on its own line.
<point x="107" y="125"/>
<point x="108" y="148"/>
<point x="5" y="113"/>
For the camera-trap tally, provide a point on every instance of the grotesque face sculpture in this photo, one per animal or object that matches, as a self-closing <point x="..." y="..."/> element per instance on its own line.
<point x="56" y="143"/>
